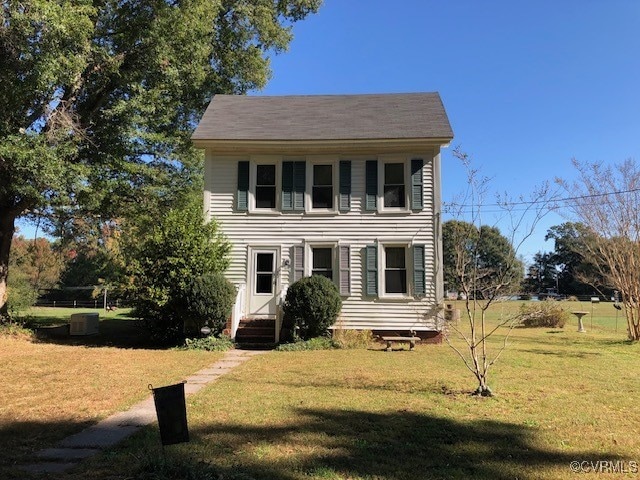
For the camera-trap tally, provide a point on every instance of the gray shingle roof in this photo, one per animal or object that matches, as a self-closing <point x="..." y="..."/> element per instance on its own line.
<point x="325" y="117"/>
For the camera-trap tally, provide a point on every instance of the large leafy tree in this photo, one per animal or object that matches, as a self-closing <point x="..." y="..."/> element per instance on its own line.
<point x="577" y="271"/>
<point x="98" y="97"/>
<point x="479" y="260"/>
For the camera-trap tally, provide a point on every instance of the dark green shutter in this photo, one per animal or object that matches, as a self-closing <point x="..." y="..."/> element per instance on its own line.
<point x="344" y="203"/>
<point x="344" y="264"/>
<point x="371" y="187"/>
<point x="297" y="265"/>
<point x="371" y="267"/>
<point x="417" y="202"/>
<point x="293" y="185"/>
<point x="242" y="199"/>
<point x="419" y="281"/>
<point x="299" y="180"/>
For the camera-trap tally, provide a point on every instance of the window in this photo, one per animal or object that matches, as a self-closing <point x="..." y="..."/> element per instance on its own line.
<point x="394" y="189"/>
<point x="328" y="259"/>
<point x="322" y="262"/>
<point x="395" y="270"/>
<point x="394" y="184"/>
<point x="322" y="188"/>
<point x="265" y="186"/>
<point x="398" y="269"/>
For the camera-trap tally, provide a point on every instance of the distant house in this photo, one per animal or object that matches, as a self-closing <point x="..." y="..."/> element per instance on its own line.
<point x="345" y="186"/>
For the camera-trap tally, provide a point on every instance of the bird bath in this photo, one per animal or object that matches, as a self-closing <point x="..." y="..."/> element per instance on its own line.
<point x="580" y="325"/>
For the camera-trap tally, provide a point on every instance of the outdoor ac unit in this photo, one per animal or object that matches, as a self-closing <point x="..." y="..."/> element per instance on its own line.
<point x="84" y="324"/>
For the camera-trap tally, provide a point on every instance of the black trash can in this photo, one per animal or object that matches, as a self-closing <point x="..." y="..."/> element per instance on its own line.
<point x="171" y="409"/>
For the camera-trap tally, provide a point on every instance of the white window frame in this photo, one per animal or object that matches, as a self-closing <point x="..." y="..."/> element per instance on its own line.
<point x="335" y="178"/>
<point x="382" y="262"/>
<point x="308" y="251"/>
<point x="406" y="162"/>
<point x="253" y="169"/>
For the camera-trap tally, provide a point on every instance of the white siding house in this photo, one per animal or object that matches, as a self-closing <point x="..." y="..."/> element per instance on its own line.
<point x="346" y="186"/>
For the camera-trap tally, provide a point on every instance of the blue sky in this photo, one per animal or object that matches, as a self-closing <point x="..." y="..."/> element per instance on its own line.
<point x="527" y="85"/>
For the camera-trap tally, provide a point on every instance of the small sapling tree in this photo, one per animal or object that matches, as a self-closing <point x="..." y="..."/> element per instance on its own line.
<point x="482" y="263"/>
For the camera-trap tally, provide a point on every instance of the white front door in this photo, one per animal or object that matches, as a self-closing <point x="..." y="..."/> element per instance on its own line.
<point x="264" y="265"/>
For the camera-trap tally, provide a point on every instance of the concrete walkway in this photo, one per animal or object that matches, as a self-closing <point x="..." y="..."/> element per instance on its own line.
<point x="112" y="430"/>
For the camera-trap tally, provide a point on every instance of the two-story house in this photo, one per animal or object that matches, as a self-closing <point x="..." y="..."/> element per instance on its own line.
<point x="345" y="186"/>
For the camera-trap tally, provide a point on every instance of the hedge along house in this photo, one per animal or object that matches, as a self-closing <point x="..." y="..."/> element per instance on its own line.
<point x="345" y="186"/>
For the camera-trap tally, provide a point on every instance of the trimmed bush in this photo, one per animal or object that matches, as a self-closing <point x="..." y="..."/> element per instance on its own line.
<point x="311" y="306"/>
<point x="206" y="300"/>
<point x="547" y="314"/>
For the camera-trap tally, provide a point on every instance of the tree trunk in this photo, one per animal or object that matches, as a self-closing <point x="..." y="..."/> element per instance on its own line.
<point x="7" y="227"/>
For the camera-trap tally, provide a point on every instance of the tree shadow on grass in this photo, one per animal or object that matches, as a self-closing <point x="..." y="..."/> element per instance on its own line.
<point x="120" y="331"/>
<point x="400" y="445"/>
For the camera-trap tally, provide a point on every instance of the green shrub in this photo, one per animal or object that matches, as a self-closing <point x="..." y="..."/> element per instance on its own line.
<point x="543" y="314"/>
<point x="317" y="343"/>
<point x="311" y="306"/>
<point x="209" y="343"/>
<point x="20" y="294"/>
<point x="206" y="300"/>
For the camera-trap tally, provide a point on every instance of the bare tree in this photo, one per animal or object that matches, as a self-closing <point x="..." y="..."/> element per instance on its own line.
<point x="481" y="280"/>
<point x="606" y="199"/>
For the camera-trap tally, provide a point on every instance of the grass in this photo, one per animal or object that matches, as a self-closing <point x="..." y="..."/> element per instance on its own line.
<point x="57" y="387"/>
<point x="562" y="396"/>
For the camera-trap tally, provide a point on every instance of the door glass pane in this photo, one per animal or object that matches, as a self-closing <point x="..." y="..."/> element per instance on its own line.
<point x="264" y="283"/>
<point x="264" y="273"/>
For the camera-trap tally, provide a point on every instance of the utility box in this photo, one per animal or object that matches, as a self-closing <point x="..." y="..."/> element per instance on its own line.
<point x="84" y="324"/>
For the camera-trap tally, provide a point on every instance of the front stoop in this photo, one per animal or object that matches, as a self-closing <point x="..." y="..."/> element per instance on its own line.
<point x="256" y="333"/>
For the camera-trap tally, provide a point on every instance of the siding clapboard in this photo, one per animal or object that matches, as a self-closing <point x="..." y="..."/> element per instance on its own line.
<point x="356" y="228"/>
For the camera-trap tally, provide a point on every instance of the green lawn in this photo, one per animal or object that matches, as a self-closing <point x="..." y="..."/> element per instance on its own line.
<point x="562" y="396"/>
<point x="55" y="387"/>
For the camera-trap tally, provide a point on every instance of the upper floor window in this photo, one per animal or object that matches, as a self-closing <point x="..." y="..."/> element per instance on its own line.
<point x="265" y="186"/>
<point x="322" y="187"/>
<point x="394" y="185"/>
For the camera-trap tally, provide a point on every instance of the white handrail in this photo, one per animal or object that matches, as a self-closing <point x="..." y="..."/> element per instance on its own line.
<point x="238" y="310"/>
